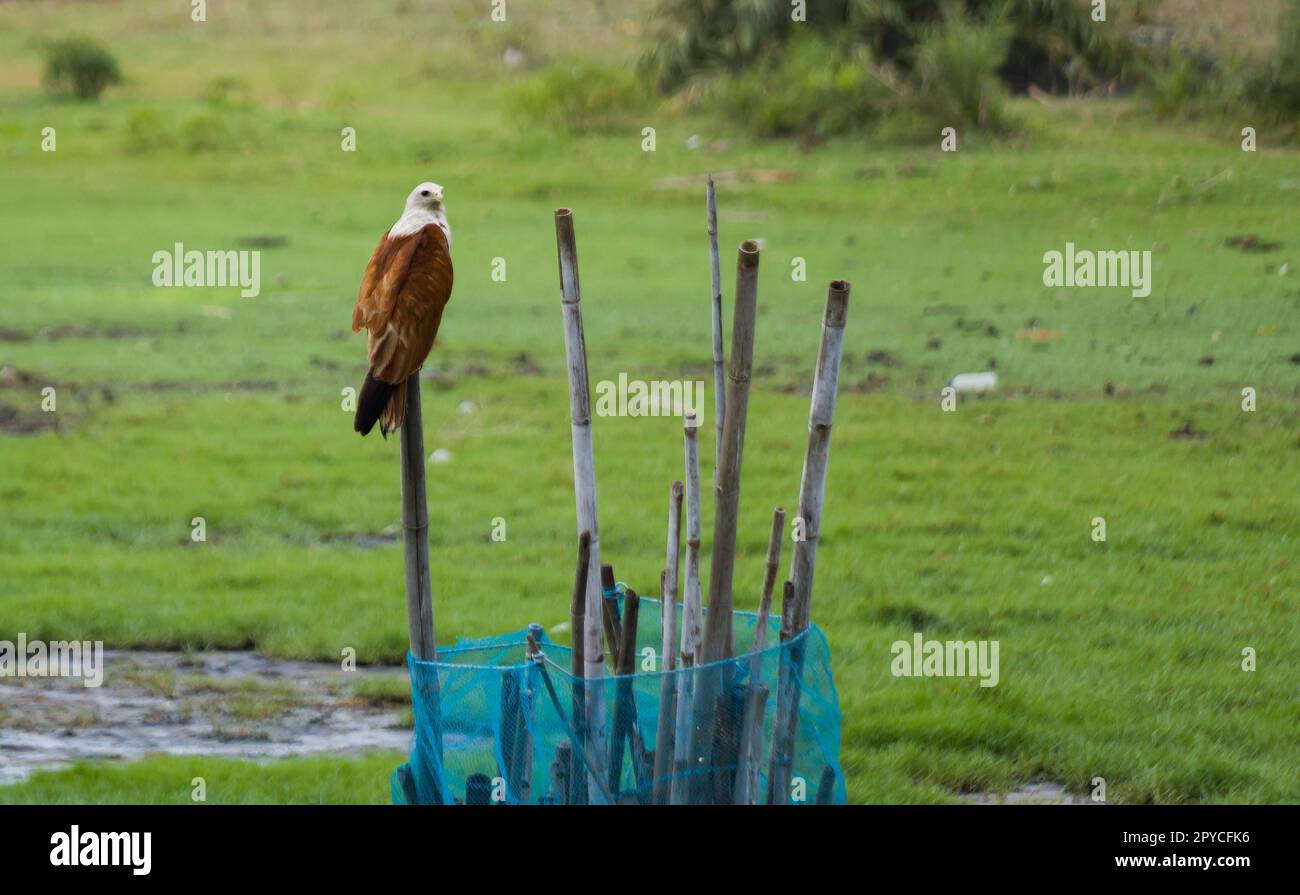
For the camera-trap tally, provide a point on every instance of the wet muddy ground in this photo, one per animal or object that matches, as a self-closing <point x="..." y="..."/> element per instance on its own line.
<point x="240" y="705"/>
<point x="233" y="704"/>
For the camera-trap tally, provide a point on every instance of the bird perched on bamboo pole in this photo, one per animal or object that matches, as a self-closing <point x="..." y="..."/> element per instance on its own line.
<point x="405" y="288"/>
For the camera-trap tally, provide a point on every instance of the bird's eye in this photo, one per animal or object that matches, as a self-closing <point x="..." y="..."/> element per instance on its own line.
<point x="424" y="192"/>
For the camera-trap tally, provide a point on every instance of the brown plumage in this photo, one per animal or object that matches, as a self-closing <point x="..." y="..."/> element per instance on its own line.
<point x="405" y="288"/>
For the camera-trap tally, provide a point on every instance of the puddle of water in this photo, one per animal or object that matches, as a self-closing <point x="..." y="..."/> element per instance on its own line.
<point x="233" y="704"/>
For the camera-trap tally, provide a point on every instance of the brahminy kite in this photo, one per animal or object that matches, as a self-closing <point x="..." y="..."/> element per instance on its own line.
<point x="406" y="285"/>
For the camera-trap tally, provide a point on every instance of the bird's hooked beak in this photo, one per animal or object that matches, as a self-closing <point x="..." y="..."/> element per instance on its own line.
<point x="437" y="198"/>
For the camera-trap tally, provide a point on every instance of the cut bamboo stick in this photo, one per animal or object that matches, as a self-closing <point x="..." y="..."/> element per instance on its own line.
<point x="718" y="636"/>
<point x="812" y="487"/>
<point x="725" y="756"/>
<point x="826" y="787"/>
<point x="577" y="612"/>
<point x="665" y="732"/>
<point x="561" y="768"/>
<point x="415" y="529"/>
<point x="770" y="569"/>
<point x="787" y="610"/>
<point x="751" y="730"/>
<point x="719" y="375"/>
<point x="609" y="615"/>
<point x="705" y="759"/>
<point x="507" y="733"/>
<point x="692" y="609"/>
<point x="679" y="791"/>
<point x="584" y="475"/>
<point x="821" y="416"/>
<point x="419" y="589"/>
<point x="626" y="732"/>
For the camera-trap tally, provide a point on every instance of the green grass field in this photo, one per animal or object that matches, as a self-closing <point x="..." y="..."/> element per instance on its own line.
<point x="1119" y="659"/>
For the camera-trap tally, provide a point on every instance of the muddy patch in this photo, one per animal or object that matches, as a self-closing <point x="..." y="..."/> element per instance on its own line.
<point x="229" y="704"/>
<point x="1029" y="794"/>
<point x="1251" y="242"/>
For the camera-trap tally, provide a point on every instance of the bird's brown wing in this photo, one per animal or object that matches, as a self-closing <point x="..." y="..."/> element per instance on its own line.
<point x="405" y="288"/>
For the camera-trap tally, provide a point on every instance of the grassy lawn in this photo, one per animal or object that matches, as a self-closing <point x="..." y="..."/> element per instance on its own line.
<point x="166" y="780"/>
<point x="1119" y="659"/>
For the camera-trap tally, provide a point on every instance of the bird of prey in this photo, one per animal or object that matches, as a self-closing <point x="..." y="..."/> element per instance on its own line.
<point x="406" y="285"/>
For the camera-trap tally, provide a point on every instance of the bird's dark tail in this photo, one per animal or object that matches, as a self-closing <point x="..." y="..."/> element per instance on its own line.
<point x="371" y="403"/>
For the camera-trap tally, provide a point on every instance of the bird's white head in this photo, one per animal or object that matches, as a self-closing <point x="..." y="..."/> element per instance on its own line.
<point x="424" y="206"/>
<point x="427" y="197"/>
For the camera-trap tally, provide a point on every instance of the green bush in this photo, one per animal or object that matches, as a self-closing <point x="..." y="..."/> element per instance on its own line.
<point x="1276" y="88"/>
<point x="80" y="66"/>
<point x="1185" y="85"/>
<point x="578" y="97"/>
<point x="207" y="132"/>
<point x="955" y="75"/>
<point x="814" y="88"/>
<point x="146" y="131"/>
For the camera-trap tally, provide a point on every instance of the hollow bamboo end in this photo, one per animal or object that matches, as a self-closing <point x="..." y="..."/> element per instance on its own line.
<point x="837" y="303"/>
<point x="689" y="422"/>
<point x="563" y="213"/>
<point x="749" y="253"/>
<point x="677" y="490"/>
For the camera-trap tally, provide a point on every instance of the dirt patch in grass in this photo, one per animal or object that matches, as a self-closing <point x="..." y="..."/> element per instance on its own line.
<point x="1029" y="794"/>
<point x="1252" y="243"/>
<point x="234" y="704"/>
<point x="1188" y="432"/>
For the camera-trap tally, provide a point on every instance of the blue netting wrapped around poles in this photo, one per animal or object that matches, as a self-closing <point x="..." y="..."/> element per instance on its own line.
<point x="492" y="726"/>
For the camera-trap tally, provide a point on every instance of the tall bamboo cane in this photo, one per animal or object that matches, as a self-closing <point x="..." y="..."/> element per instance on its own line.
<point x="751" y="730"/>
<point x="419" y="589"/>
<point x="666" y="727"/>
<point x="584" y="482"/>
<point x="719" y="376"/>
<point x="718" y="637"/>
<point x="812" y="488"/>
<point x="691" y="618"/>
<point x="577" y="780"/>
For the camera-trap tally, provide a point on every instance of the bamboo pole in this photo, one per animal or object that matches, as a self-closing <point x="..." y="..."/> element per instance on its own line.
<point x="507" y="734"/>
<point x="718" y="637"/>
<point x="719" y="376"/>
<point x="609" y="616"/>
<point x="769" y="578"/>
<point x="691" y="617"/>
<point x="666" y="727"/>
<point x="419" y="589"/>
<point x="787" y="610"/>
<point x="625" y="726"/>
<point x="415" y="529"/>
<point x="584" y="476"/>
<point x="692" y="609"/>
<point x="577" y="614"/>
<point x="724" y="759"/>
<point x="713" y="739"/>
<point x="812" y="488"/>
<point x="751" y="729"/>
<point x="826" y="787"/>
<point x="561" y="769"/>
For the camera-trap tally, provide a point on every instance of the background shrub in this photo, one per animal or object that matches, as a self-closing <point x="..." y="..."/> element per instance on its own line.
<point x="815" y="87"/>
<point x="578" y="96"/>
<point x="80" y="66"/>
<point x="1276" y="87"/>
<point x="956" y="72"/>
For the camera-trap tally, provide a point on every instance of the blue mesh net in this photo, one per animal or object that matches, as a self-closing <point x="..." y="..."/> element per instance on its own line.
<point x="494" y="726"/>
